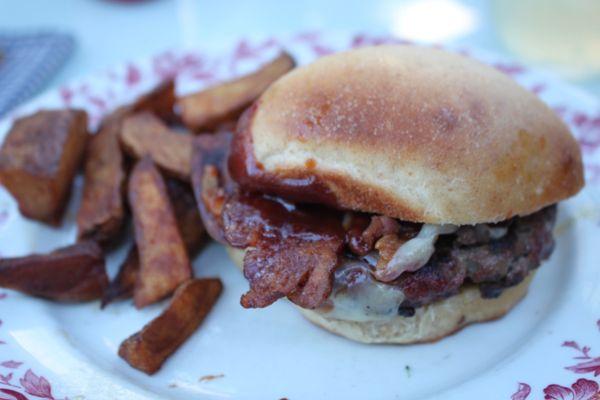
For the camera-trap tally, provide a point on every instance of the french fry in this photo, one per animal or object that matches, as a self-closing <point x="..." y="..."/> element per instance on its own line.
<point x="191" y="229"/>
<point x="39" y="160"/>
<point x="71" y="274"/>
<point x="187" y="215"/>
<point x="164" y="262"/>
<point x="160" y="101"/>
<point x="207" y="109"/>
<point x="148" y="349"/>
<point x="145" y="134"/>
<point x="101" y="213"/>
<point x="121" y="287"/>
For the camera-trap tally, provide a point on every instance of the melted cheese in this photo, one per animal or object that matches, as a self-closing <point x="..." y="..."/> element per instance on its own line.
<point x="364" y="299"/>
<point x="415" y="253"/>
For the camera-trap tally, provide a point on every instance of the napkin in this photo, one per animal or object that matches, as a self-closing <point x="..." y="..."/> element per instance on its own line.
<point x="27" y="62"/>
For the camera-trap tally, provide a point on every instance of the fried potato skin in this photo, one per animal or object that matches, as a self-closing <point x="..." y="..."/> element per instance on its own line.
<point x="187" y="215"/>
<point x="160" y="101"/>
<point x="122" y="286"/>
<point x="211" y="107"/>
<point x="145" y="134"/>
<point x="39" y="159"/>
<point x="190" y="227"/>
<point x="102" y="210"/>
<point x="148" y="349"/>
<point x="164" y="262"/>
<point x="71" y="274"/>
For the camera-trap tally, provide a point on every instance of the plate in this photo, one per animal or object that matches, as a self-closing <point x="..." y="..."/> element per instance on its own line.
<point x="549" y="345"/>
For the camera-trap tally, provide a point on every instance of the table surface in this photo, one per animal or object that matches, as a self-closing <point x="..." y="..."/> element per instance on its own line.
<point x="109" y="31"/>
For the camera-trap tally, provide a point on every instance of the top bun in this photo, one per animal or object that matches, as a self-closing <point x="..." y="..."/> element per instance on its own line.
<point x="410" y="132"/>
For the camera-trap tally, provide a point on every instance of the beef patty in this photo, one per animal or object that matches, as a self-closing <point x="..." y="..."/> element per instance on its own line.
<point x="475" y="255"/>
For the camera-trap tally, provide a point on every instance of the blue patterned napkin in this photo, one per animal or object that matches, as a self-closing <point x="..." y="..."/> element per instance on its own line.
<point x="27" y="61"/>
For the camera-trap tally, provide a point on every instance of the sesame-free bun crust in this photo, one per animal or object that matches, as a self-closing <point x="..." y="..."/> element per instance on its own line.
<point x="430" y="323"/>
<point x="415" y="133"/>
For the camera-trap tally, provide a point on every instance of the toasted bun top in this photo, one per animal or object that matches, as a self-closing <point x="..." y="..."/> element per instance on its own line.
<point x="410" y="132"/>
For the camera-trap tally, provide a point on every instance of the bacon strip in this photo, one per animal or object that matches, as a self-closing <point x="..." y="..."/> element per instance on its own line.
<point x="322" y="259"/>
<point x="291" y="267"/>
<point x="361" y="239"/>
<point x="291" y="253"/>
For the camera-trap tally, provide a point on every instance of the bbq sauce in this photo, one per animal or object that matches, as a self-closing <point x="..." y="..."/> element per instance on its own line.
<point x="301" y="187"/>
<point x="249" y="218"/>
<point x="210" y="155"/>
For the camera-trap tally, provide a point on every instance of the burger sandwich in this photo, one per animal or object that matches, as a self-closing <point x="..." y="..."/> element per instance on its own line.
<point x="393" y="193"/>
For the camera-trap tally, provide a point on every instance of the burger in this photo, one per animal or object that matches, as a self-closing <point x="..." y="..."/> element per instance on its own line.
<point x="394" y="194"/>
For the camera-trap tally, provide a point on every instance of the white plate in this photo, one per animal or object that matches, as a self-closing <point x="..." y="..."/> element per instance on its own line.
<point x="541" y="348"/>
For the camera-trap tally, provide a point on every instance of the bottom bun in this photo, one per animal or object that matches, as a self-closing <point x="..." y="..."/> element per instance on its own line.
<point x="430" y="323"/>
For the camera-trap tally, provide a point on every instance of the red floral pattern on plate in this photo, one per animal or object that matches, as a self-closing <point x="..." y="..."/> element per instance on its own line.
<point x="10" y="394"/>
<point x="29" y="383"/>
<point x="11" y="364"/>
<point x="588" y="365"/>
<point x="582" y="389"/>
<point x="522" y="392"/>
<point x="36" y="385"/>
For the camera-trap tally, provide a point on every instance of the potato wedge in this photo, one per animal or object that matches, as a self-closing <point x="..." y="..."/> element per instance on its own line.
<point x="187" y="215"/>
<point x="148" y="349"/>
<point x="208" y="108"/>
<point x="122" y="286"/>
<point x="164" y="262"/>
<point x="159" y="101"/>
<point x="39" y="159"/>
<point x="101" y="213"/>
<point x="102" y="210"/>
<point x="73" y="273"/>
<point x="191" y="230"/>
<point x="144" y="134"/>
